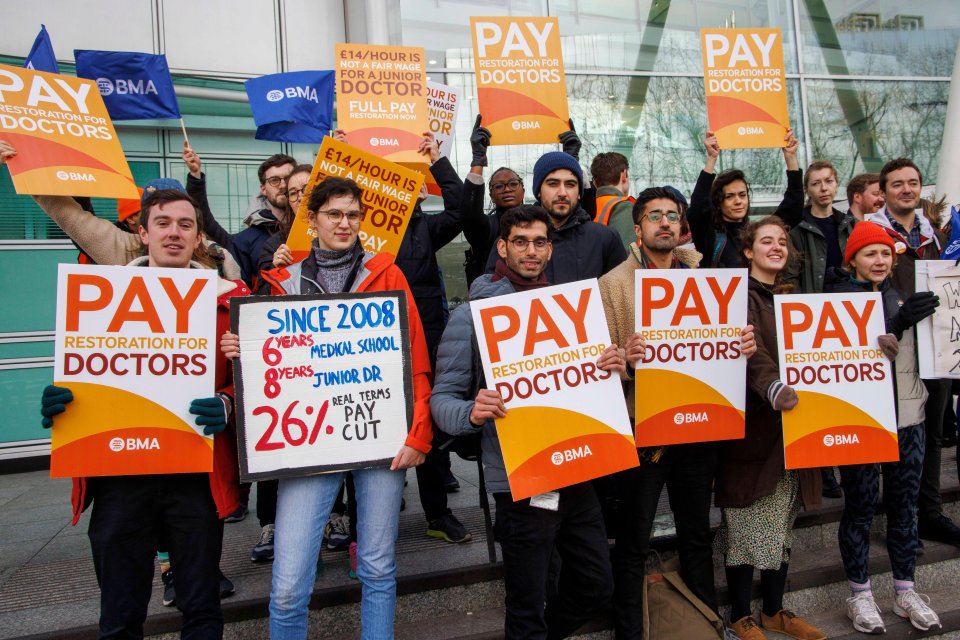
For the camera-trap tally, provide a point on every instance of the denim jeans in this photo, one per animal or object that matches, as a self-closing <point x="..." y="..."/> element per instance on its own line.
<point x="303" y="507"/>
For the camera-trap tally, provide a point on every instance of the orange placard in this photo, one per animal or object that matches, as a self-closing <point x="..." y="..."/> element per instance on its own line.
<point x="389" y="197"/>
<point x="521" y="86"/>
<point x="382" y="99"/>
<point x="135" y="346"/>
<point x="65" y="141"/>
<point x="746" y="87"/>
<point x="830" y="356"/>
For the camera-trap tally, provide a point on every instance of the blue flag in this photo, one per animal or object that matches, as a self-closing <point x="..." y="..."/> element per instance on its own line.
<point x="952" y="250"/>
<point x="41" y="56"/>
<point x="134" y="86"/>
<point x="292" y="107"/>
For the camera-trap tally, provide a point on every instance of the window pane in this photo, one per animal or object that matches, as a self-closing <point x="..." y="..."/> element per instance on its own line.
<point x="230" y="187"/>
<point x="879" y="37"/>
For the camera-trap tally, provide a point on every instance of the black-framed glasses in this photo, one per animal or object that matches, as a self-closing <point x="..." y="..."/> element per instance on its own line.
<point x="499" y="187"/>
<point x="296" y="194"/>
<point x="275" y="181"/>
<point x="656" y="215"/>
<point x="521" y="244"/>
<point x="335" y="216"/>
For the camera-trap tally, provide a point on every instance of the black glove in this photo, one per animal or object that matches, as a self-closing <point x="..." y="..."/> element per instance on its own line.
<point x="53" y="402"/>
<point x="479" y="141"/>
<point x="212" y="414"/>
<point x="915" y="308"/>
<point x="571" y="142"/>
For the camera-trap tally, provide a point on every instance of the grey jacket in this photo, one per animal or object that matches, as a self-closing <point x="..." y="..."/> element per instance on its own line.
<point x="812" y="246"/>
<point x="458" y="378"/>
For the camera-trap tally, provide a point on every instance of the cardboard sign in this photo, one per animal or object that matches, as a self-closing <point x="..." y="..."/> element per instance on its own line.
<point x="65" y="141"/>
<point x="521" y="86"/>
<point x="829" y="354"/>
<point x="443" y="103"/>
<point x="938" y="337"/>
<point x="746" y="87"/>
<point x="389" y="197"/>
<point x="691" y="382"/>
<point x="135" y="346"/>
<point x="324" y="382"/>
<point x="566" y="419"/>
<point x="381" y="98"/>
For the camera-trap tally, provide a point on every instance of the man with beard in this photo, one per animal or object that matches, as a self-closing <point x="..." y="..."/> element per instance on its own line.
<point x="864" y="195"/>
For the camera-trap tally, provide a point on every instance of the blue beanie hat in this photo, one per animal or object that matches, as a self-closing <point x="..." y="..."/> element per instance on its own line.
<point x="679" y="196"/>
<point x="550" y="162"/>
<point x="161" y="183"/>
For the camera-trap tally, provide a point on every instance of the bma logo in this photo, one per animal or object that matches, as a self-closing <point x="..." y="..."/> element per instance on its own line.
<point x="275" y="96"/>
<point x="384" y="142"/>
<point x="569" y="455"/>
<point x="841" y="439"/>
<point x="75" y="177"/>
<point x="519" y="125"/>
<point x="687" y="418"/>
<point x="125" y="86"/>
<point x="307" y="93"/>
<point x="134" y="444"/>
<point x="750" y="131"/>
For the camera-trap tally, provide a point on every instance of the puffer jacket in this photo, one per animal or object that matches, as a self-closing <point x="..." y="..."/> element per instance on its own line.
<point x="811" y="244"/>
<point x="460" y="375"/>
<point x="225" y="477"/>
<point x="910" y="392"/>
<point x="377" y="273"/>
<point x="904" y="271"/>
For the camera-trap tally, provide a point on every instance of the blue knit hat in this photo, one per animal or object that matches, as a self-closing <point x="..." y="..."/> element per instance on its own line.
<point x="161" y="183"/>
<point x="550" y="162"/>
<point x="676" y="194"/>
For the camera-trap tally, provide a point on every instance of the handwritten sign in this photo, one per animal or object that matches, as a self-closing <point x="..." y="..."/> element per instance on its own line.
<point x="135" y="346"/>
<point x="389" y="197"/>
<point x="830" y="355"/>
<point x="382" y="98"/>
<point x="746" y="86"/>
<point x="566" y="419"/>
<point x="521" y="87"/>
<point x="324" y="382"/>
<point x="938" y="337"/>
<point x="691" y="381"/>
<point x="66" y="144"/>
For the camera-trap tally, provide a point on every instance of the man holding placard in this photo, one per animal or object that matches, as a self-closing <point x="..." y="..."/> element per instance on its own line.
<point x="531" y="530"/>
<point x="687" y="470"/>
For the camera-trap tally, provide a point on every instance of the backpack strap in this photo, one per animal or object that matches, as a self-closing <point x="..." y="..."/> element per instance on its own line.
<point x="603" y="217"/>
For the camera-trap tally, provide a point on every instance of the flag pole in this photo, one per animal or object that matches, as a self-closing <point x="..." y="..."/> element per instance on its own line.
<point x="184" y="129"/>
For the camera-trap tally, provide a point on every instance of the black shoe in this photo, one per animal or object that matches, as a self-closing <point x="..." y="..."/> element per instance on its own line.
<point x="448" y="528"/>
<point x="169" y="595"/>
<point x="226" y="587"/>
<point x="939" y="528"/>
<point x="238" y="515"/>
<point x="831" y="488"/>
<point x="450" y="483"/>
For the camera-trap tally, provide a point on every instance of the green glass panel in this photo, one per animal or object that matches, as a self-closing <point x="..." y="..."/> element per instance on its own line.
<point x="28" y="282"/>
<point x="20" y="391"/>
<point x="38" y="349"/>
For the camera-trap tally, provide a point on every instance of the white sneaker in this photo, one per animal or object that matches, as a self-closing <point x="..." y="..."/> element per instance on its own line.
<point x="916" y="607"/>
<point x="865" y="613"/>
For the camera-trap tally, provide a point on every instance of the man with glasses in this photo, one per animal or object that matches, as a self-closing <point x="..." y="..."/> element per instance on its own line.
<point x="530" y="532"/>
<point x="688" y="469"/>
<point x="265" y="215"/>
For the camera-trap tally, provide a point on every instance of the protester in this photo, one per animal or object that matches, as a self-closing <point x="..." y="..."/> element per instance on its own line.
<point x="179" y="512"/>
<point x="275" y="252"/>
<point x="864" y="195"/>
<point x="613" y="202"/>
<point x="529" y="535"/>
<point x="337" y="263"/>
<point x="687" y="470"/>
<point x="914" y="238"/>
<point x="720" y="204"/>
<point x="759" y="499"/>
<point x="868" y="264"/>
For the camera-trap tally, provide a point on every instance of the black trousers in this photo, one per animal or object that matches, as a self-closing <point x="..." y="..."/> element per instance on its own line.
<point x="131" y="516"/>
<point x="430" y="475"/>
<point x="687" y="471"/>
<point x="529" y="538"/>
<point x="930" y="503"/>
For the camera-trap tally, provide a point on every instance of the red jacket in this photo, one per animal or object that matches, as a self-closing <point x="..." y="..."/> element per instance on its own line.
<point x="379" y="273"/>
<point x="225" y="477"/>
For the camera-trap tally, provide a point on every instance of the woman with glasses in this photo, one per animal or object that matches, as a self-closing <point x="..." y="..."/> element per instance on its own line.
<point x="338" y="264"/>
<point x="275" y="252"/>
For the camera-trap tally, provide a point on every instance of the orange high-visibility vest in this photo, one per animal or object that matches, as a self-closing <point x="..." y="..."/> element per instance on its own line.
<point x="606" y="205"/>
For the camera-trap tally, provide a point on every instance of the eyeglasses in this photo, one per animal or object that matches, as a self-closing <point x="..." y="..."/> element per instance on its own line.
<point x="656" y="215"/>
<point x="296" y="194"/>
<point x="521" y="244"/>
<point x="275" y="181"/>
<point x="335" y="216"/>
<point x="499" y="187"/>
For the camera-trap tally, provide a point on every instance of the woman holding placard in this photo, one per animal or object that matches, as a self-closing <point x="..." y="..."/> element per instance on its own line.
<point x="760" y="500"/>
<point x="868" y="260"/>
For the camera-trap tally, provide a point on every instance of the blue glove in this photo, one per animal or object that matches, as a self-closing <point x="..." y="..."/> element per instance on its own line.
<point x="212" y="414"/>
<point x="53" y="402"/>
<point x="571" y="142"/>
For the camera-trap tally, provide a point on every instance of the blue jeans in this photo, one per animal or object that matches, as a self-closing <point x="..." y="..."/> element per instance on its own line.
<point x="303" y="507"/>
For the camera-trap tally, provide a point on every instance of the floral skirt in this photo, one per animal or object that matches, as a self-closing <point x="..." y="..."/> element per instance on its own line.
<point x="761" y="534"/>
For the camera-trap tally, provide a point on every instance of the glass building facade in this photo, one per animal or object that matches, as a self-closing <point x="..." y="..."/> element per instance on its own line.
<point x="868" y="80"/>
